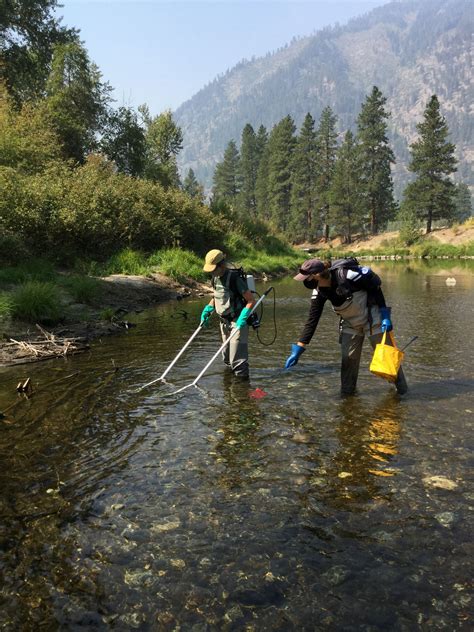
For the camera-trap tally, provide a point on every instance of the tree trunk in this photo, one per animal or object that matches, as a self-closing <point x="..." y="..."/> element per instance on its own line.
<point x="429" y="221"/>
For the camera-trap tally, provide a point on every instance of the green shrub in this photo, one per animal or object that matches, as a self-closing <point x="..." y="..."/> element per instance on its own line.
<point x="37" y="301"/>
<point x="83" y="289"/>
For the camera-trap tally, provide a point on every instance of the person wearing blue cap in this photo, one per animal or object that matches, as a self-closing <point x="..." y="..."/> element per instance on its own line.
<point x="356" y="296"/>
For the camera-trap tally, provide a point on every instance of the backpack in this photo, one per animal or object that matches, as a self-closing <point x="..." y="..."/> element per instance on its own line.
<point x="348" y="271"/>
<point x="239" y="301"/>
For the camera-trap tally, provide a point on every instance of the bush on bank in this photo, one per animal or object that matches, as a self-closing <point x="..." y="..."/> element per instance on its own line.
<point x="92" y="212"/>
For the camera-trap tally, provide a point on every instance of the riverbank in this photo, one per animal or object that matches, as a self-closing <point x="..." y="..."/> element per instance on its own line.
<point x="454" y="242"/>
<point x="111" y="311"/>
<point x="49" y="313"/>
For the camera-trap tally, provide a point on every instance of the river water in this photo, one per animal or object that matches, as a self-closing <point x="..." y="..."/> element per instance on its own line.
<point x="214" y="509"/>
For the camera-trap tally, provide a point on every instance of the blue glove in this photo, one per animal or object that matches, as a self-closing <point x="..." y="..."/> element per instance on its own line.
<point x="206" y="314"/>
<point x="296" y="351"/>
<point x="242" y="319"/>
<point x="385" y="313"/>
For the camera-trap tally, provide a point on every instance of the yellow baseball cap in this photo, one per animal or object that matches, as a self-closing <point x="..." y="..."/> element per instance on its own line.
<point x="213" y="258"/>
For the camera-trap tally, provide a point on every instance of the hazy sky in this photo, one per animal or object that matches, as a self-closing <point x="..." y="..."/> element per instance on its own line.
<point x="161" y="53"/>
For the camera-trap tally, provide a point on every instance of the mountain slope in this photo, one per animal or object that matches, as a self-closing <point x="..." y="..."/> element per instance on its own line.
<point x="410" y="49"/>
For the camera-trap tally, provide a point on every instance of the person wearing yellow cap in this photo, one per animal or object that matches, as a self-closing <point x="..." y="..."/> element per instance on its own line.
<point x="233" y="302"/>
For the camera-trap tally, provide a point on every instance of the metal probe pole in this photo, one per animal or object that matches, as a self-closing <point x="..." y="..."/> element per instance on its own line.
<point x="162" y="377"/>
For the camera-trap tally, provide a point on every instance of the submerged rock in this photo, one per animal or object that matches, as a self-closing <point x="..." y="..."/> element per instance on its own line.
<point x="439" y="482"/>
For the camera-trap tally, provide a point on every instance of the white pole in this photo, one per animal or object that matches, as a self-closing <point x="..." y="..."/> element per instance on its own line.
<point x="162" y="376"/>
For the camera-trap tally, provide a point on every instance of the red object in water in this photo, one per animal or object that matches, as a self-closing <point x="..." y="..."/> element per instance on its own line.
<point x="257" y="394"/>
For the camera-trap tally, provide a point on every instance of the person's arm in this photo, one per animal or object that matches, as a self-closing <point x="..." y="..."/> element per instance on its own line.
<point x="249" y="297"/>
<point x="315" y="311"/>
<point x="245" y="313"/>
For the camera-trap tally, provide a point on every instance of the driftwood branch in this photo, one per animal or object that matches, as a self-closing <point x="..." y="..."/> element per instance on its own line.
<point x="50" y="346"/>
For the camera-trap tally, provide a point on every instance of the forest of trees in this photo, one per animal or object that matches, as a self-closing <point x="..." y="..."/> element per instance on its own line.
<point x="312" y="184"/>
<point x="80" y="178"/>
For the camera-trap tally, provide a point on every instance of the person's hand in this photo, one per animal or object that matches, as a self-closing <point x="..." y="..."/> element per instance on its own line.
<point x="242" y="319"/>
<point x="385" y="313"/>
<point x="206" y="314"/>
<point x="296" y="351"/>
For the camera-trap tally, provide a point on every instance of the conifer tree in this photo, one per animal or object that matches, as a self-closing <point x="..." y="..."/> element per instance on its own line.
<point x="281" y="144"/>
<point x="431" y="195"/>
<point x="326" y="142"/>
<point x="261" y="141"/>
<point x="376" y="156"/>
<point x="249" y="160"/>
<point x="346" y="204"/>
<point x="261" y="184"/>
<point x="303" y="192"/>
<point x="192" y="186"/>
<point x="227" y="176"/>
<point x="462" y="202"/>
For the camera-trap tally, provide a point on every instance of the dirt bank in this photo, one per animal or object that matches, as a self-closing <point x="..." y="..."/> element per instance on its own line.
<point x="120" y="295"/>
<point x="455" y="236"/>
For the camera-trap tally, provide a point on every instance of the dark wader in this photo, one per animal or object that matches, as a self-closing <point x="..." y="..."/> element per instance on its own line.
<point x="358" y="321"/>
<point x="351" y="349"/>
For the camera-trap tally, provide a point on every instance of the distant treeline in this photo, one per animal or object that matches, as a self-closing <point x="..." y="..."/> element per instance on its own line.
<point x="310" y="184"/>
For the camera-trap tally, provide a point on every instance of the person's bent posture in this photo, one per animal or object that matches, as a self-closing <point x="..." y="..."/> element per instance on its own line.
<point x="356" y="296"/>
<point x="233" y="302"/>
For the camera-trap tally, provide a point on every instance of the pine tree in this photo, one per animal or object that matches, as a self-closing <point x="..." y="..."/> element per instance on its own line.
<point x="346" y="203"/>
<point x="326" y="142"/>
<point x="280" y="162"/>
<point x="303" y="191"/>
<point x="376" y="157"/>
<point x="227" y="177"/>
<point x="261" y="184"/>
<point x="462" y="202"/>
<point x="192" y="186"/>
<point x="431" y="195"/>
<point x="249" y="159"/>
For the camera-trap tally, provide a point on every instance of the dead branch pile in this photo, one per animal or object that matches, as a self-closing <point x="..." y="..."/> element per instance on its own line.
<point x="47" y="346"/>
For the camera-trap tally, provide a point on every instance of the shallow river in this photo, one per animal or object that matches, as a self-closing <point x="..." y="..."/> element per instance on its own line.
<point x="216" y="510"/>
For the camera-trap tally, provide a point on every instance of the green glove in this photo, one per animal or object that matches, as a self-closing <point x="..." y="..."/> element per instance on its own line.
<point x="242" y="319"/>
<point x="206" y="314"/>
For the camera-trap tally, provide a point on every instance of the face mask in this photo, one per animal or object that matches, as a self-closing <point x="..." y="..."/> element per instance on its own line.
<point x="311" y="284"/>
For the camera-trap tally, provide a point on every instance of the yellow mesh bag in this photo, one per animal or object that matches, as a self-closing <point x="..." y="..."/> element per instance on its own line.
<point x="386" y="359"/>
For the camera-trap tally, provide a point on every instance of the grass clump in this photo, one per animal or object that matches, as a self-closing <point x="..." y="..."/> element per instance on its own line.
<point x="32" y="270"/>
<point x="127" y="261"/>
<point x="83" y="289"/>
<point x="178" y="264"/>
<point x="6" y="308"/>
<point x="37" y="301"/>
<point x="108" y="313"/>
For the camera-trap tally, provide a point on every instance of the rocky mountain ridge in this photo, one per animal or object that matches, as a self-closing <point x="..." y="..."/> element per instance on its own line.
<point x="410" y="49"/>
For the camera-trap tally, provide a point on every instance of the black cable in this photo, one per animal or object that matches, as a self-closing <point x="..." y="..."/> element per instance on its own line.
<point x="260" y="318"/>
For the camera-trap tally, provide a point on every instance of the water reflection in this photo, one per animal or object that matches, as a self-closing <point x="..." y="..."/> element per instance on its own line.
<point x="237" y="423"/>
<point x="368" y="442"/>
